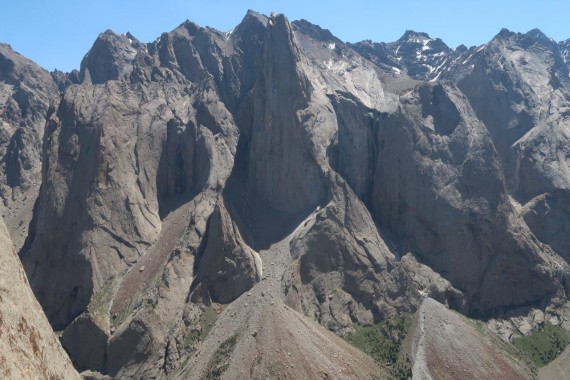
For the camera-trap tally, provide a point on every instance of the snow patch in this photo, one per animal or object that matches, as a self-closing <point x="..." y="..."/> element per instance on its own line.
<point x="332" y="46"/>
<point x="438" y="71"/>
<point x="467" y="59"/>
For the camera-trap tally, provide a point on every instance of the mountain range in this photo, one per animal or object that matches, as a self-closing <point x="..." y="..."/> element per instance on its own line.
<point x="233" y="204"/>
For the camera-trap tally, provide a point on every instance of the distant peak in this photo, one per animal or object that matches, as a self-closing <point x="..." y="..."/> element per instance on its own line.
<point x="314" y="31"/>
<point x="191" y="27"/>
<point x="505" y="33"/>
<point x="252" y="15"/>
<point x="409" y="34"/>
<point x="278" y="19"/>
<point x="109" y="32"/>
<point x="538" y="35"/>
<point x="131" y="37"/>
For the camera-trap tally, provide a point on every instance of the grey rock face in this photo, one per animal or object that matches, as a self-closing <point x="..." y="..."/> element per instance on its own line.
<point x="84" y="134"/>
<point x="344" y="272"/>
<point x="518" y="86"/>
<point x="28" y="346"/>
<point x="110" y="58"/>
<point x="548" y="217"/>
<point x="445" y="179"/>
<point x="281" y="143"/>
<point x="90" y="356"/>
<point x="227" y="266"/>
<point x="564" y="47"/>
<point x="26" y="91"/>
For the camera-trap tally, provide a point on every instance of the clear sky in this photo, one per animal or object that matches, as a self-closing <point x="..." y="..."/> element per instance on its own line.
<point x="57" y="33"/>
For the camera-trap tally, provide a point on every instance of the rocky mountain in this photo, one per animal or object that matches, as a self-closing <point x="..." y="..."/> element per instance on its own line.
<point x="200" y="190"/>
<point x="28" y="347"/>
<point x="26" y="91"/>
<point x="418" y="55"/>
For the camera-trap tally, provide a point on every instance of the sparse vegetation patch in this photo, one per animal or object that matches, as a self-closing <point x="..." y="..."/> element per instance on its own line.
<point x="204" y="325"/>
<point x="544" y="344"/>
<point x="381" y="341"/>
<point x="221" y="359"/>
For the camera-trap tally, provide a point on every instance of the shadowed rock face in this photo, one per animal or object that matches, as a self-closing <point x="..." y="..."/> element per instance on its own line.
<point x="284" y="118"/>
<point x="227" y="267"/>
<point x="275" y="160"/>
<point x="518" y="86"/>
<point x="439" y="190"/>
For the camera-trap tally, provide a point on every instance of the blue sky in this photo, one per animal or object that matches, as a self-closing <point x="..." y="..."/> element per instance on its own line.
<point x="57" y="33"/>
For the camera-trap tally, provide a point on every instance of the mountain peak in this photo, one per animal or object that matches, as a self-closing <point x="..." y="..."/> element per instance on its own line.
<point x="253" y="15"/>
<point x="108" y="32"/>
<point x="251" y="18"/>
<point x="107" y="58"/>
<point x="277" y="17"/>
<point x="505" y="33"/>
<point x="314" y="31"/>
<point x="190" y="27"/>
<point x="274" y="176"/>
<point x="538" y="35"/>
<point x="409" y="34"/>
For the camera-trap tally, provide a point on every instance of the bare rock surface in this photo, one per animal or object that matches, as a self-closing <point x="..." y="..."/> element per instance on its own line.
<point x="437" y="171"/>
<point x="29" y="349"/>
<point x="528" y="126"/>
<point x="26" y="91"/>
<point x="259" y="336"/>
<point x="445" y="345"/>
<point x="227" y="267"/>
<point x="343" y="271"/>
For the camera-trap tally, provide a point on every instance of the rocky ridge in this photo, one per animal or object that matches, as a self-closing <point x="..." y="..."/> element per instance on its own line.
<point x="445" y="345"/>
<point x="26" y="91"/>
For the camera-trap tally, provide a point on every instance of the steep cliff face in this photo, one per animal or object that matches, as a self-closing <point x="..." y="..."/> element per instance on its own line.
<point x="29" y="349"/>
<point x="440" y="191"/>
<point x="227" y="266"/>
<point x="519" y="88"/>
<point x="288" y="117"/>
<point x="275" y="166"/>
<point x="26" y="91"/>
